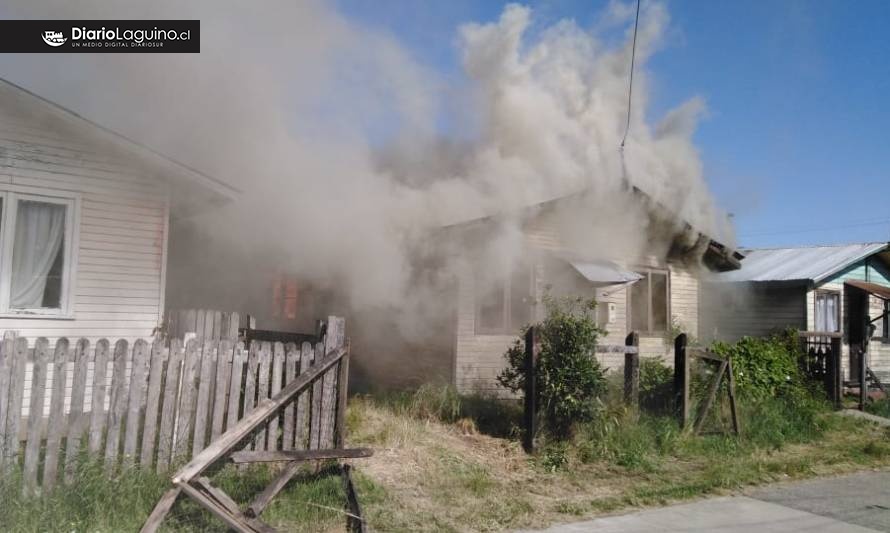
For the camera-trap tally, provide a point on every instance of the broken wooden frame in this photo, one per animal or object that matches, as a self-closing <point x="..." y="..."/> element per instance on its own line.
<point x="189" y="479"/>
<point x="682" y="356"/>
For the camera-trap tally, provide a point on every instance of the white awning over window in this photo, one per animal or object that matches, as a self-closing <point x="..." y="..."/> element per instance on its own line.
<point x="604" y="272"/>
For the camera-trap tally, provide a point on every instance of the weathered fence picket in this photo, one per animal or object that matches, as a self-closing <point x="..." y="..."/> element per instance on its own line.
<point x="170" y="401"/>
<point x="35" y="412"/>
<point x="55" y="427"/>
<point x="157" y="404"/>
<point x="77" y="422"/>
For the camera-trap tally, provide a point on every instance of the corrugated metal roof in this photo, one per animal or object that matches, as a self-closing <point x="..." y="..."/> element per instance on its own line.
<point x="814" y="263"/>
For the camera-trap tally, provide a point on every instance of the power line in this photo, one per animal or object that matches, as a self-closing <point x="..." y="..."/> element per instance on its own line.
<point x="630" y="86"/>
<point x="874" y="222"/>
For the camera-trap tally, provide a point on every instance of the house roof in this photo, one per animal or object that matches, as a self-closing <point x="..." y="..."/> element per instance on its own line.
<point x="217" y="190"/>
<point x="718" y="256"/>
<point x="803" y="264"/>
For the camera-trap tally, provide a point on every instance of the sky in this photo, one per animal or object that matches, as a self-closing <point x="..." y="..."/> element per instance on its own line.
<point x="795" y="140"/>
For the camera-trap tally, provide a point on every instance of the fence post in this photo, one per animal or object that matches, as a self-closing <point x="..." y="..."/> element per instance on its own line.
<point x="632" y="371"/>
<point x="530" y="414"/>
<point x="836" y="374"/>
<point x="681" y="381"/>
<point x="863" y="364"/>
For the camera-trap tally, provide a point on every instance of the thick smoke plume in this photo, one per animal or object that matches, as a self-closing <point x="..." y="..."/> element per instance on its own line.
<point x="331" y="131"/>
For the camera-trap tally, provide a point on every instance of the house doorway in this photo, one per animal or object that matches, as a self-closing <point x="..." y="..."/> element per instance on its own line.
<point x="856" y="310"/>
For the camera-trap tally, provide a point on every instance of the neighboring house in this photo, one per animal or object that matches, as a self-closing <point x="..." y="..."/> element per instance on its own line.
<point x="654" y="292"/>
<point x="84" y="221"/>
<point x="816" y="288"/>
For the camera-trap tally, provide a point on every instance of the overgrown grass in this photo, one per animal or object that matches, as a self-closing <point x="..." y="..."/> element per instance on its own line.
<point x="621" y="459"/>
<point x="880" y="407"/>
<point x="98" y="502"/>
<point x="446" y="462"/>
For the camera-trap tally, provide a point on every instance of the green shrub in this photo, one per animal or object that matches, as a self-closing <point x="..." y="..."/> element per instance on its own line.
<point x="764" y="367"/>
<point x="656" y="385"/>
<point x="569" y="378"/>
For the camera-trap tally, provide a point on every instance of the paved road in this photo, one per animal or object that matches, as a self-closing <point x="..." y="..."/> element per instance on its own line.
<point x="854" y="503"/>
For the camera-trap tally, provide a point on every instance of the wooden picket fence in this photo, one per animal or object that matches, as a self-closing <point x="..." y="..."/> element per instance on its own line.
<point x="154" y="404"/>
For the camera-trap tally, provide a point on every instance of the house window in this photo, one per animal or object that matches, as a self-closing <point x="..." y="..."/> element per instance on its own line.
<point x="36" y="253"/>
<point x="506" y="305"/>
<point x="650" y="302"/>
<point x="828" y="311"/>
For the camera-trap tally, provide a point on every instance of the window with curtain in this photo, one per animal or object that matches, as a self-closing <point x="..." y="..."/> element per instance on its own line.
<point x="35" y="253"/>
<point x="650" y="303"/>
<point x="828" y="311"/>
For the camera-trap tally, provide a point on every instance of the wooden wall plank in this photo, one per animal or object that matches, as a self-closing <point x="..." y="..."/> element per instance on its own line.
<point x="16" y="397"/>
<point x="136" y="401"/>
<point x="77" y="422"/>
<point x="170" y="405"/>
<point x="292" y="356"/>
<point x="7" y="360"/>
<point x="263" y="388"/>
<point x="315" y="404"/>
<point x="97" y="399"/>
<point x="55" y="427"/>
<point x="117" y="406"/>
<point x="301" y="429"/>
<point x="205" y="392"/>
<point x="239" y="358"/>
<point x="152" y="402"/>
<point x="182" y="431"/>
<point x="334" y="338"/>
<point x="274" y="428"/>
<point x="35" y="413"/>
<point x="251" y="382"/>
<point x="223" y="373"/>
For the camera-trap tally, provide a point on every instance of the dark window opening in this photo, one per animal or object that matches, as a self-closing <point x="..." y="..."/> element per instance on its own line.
<point x="650" y="303"/>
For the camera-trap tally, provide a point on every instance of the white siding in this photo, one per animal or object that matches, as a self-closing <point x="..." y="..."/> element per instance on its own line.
<point x="480" y="358"/>
<point x="122" y="226"/>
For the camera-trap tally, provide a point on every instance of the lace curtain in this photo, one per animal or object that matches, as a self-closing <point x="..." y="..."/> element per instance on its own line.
<point x="39" y="235"/>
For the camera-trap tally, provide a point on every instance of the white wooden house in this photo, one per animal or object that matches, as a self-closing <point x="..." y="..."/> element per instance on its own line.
<point x="84" y="221"/>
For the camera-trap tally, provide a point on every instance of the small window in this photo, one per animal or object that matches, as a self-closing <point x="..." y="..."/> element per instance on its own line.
<point x="650" y="303"/>
<point x="504" y="306"/>
<point x="828" y="311"/>
<point x="36" y="253"/>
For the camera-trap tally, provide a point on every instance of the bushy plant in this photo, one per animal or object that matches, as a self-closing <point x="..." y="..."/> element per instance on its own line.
<point x="569" y="378"/>
<point x="765" y="367"/>
<point x="656" y="384"/>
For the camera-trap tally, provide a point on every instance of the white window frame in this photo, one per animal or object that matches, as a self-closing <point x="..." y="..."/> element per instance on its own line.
<point x="11" y="196"/>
